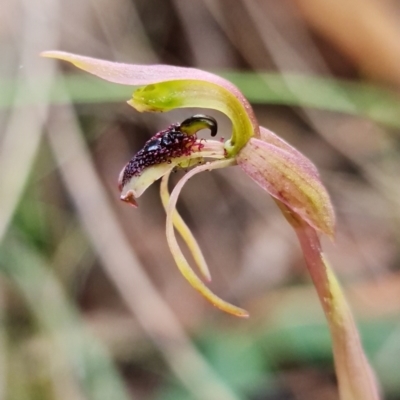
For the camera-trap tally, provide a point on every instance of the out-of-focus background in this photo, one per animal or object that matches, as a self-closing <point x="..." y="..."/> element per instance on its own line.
<point x="92" y="306"/>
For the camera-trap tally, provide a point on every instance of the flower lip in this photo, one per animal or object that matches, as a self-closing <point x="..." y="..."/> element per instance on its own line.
<point x="160" y="148"/>
<point x="178" y="140"/>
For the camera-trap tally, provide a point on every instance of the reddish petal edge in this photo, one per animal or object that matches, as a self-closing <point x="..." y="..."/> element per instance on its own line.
<point x="290" y="177"/>
<point x="130" y="198"/>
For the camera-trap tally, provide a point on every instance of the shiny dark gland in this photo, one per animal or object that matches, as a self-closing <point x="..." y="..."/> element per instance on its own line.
<point x="209" y="122"/>
<point x="153" y="145"/>
<point x="168" y="139"/>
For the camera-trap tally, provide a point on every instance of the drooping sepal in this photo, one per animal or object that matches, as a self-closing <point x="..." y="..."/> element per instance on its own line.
<point x="176" y="251"/>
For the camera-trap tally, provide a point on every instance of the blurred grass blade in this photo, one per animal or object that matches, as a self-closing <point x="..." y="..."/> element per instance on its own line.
<point x="330" y="94"/>
<point x="86" y="360"/>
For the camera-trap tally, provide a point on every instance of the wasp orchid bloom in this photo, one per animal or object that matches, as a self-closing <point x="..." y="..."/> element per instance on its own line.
<point x="283" y="172"/>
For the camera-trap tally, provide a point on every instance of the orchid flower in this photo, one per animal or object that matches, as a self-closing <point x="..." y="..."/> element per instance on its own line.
<point x="283" y="172"/>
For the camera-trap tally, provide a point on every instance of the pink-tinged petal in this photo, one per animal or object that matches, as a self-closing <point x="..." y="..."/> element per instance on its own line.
<point x="169" y="87"/>
<point x="291" y="178"/>
<point x="180" y="259"/>
<point x="141" y="75"/>
<point x="272" y="138"/>
<point x="184" y="231"/>
<point x="355" y="377"/>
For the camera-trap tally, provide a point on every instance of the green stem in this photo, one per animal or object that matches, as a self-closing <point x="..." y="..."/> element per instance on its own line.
<point x="355" y="377"/>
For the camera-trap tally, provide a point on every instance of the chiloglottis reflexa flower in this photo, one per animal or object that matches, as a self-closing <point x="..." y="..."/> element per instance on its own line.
<point x="284" y="173"/>
<point x="276" y="166"/>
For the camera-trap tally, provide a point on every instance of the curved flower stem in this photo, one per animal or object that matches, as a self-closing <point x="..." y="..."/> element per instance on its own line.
<point x="356" y="380"/>
<point x="179" y="258"/>
<point x="184" y="230"/>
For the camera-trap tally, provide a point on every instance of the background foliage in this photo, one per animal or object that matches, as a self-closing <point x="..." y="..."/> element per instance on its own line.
<point x="91" y="305"/>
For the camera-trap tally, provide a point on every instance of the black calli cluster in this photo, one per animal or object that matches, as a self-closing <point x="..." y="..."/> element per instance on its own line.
<point x="175" y="141"/>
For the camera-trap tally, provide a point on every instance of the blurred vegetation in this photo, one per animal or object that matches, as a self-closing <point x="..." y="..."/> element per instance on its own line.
<point x="91" y="304"/>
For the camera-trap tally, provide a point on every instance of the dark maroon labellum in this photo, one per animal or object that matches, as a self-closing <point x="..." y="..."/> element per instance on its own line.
<point x="175" y="141"/>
